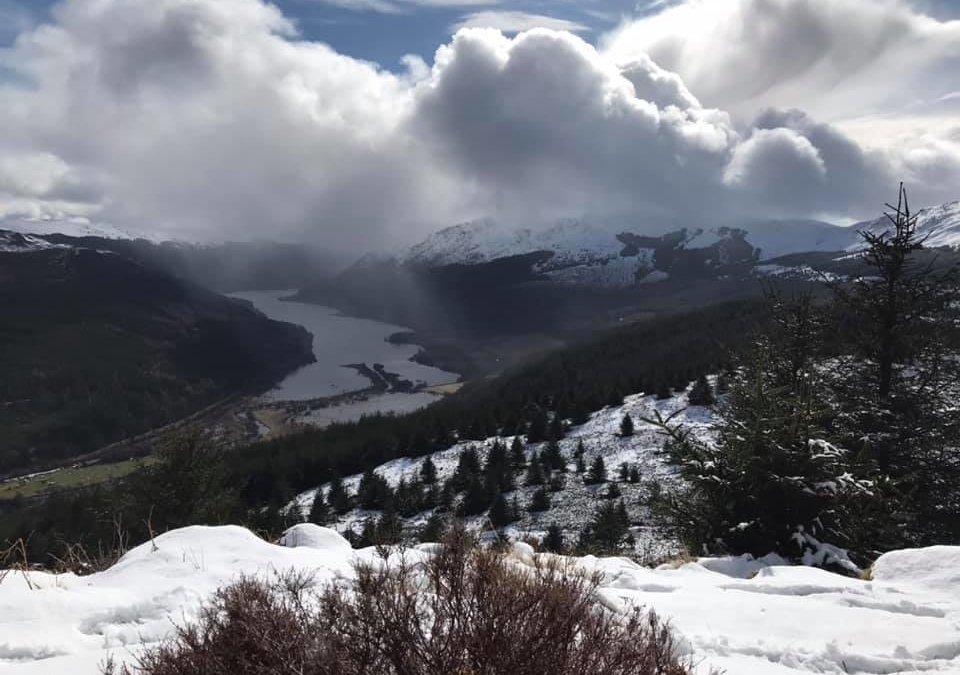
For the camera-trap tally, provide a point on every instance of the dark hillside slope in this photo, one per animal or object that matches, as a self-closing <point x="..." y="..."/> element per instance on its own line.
<point x="95" y="347"/>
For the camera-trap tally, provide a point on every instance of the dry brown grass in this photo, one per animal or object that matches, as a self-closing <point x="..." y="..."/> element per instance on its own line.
<point x="466" y="611"/>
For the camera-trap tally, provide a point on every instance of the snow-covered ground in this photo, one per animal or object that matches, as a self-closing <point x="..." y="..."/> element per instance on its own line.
<point x="743" y="616"/>
<point x="574" y="505"/>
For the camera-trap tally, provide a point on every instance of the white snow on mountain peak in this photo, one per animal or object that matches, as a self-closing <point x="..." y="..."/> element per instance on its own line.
<point x="75" y="227"/>
<point x="937" y="225"/>
<point x="480" y="241"/>
<point x="15" y="242"/>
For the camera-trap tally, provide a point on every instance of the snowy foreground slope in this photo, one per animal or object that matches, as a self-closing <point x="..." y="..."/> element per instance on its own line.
<point x="744" y="617"/>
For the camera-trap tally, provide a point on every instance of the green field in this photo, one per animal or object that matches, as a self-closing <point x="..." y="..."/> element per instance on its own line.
<point x="72" y="477"/>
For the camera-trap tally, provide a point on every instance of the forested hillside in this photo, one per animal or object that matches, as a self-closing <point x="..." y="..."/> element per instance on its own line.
<point x="95" y="347"/>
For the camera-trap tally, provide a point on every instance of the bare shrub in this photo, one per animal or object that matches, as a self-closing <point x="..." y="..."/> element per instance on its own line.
<point x="465" y="611"/>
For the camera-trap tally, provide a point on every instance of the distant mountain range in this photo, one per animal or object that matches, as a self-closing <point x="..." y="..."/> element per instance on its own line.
<point x="578" y="252"/>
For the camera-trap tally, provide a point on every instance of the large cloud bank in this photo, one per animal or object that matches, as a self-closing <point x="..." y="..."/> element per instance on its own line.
<point x="212" y="119"/>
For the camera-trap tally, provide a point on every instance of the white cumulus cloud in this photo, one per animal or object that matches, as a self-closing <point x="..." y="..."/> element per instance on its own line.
<point x="215" y="119"/>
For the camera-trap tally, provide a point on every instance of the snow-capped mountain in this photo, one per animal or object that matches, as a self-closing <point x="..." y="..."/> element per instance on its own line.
<point x="938" y="225"/>
<point x="584" y="253"/>
<point x="70" y="228"/>
<point x="15" y="242"/>
<point x="587" y="253"/>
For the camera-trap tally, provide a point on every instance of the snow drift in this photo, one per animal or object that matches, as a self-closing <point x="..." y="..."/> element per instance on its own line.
<point x="742" y="615"/>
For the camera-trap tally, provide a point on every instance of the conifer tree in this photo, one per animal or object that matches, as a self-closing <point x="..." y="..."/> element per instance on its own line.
<point x="534" y="471"/>
<point x="475" y="498"/>
<point x="434" y="529"/>
<point x="540" y="501"/>
<point x="898" y="379"/>
<point x="701" y="393"/>
<point x="773" y="480"/>
<point x="500" y="512"/>
<point x="626" y="426"/>
<point x="597" y="473"/>
<point x="557" y="429"/>
<point x="537" y="427"/>
<point x="580" y="450"/>
<point x="552" y="458"/>
<point x="319" y="511"/>
<point x="468" y="468"/>
<point x="553" y="542"/>
<point x="518" y="456"/>
<point x="373" y="492"/>
<point x="428" y="471"/>
<point x="339" y="499"/>
<point x="581" y="464"/>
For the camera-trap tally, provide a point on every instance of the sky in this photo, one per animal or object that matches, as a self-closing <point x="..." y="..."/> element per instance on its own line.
<point x="367" y="124"/>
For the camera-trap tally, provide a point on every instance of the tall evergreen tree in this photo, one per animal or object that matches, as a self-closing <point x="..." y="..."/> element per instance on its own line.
<point x="537" y="427"/>
<point x="773" y="480"/>
<point x="500" y="514"/>
<point x="626" y="426"/>
<point x="518" y="456"/>
<point x="897" y="378"/>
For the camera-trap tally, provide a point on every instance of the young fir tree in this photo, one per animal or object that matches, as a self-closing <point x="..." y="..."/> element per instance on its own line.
<point x="373" y="492"/>
<point x="701" y="393"/>
<point x="540" y="501"/>
<point x="553" y="542"/>
<point x="634" y="476"/>
<point x="626" y="426"/>
<point x="476" y="498"/>
<point x="428" y="471"/>
<point x="468" y="469"/>
<point x="897" y="379"/>
<point x="597" y="473"/>
<point x="434" y="529"/>
<point x="609" y="531"/>
<point x="518" y="456"/>
<point x="557" y="428"/>
<point x="552" y="457"/>
<point x="581" y="465"/>
<point x="338" y="497"/>
<point x="500" y="513"/>
<point x="580" y="450"/>
<point x="623" y="472"/>
<point x="319" y="510"/>
<point x="773" y="480"/>
<point x="537" y="427"/>
<point x="534" y="471"/>
<point x="613" y="492"/>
